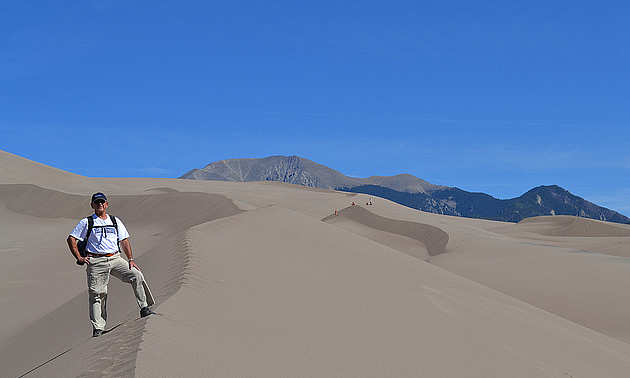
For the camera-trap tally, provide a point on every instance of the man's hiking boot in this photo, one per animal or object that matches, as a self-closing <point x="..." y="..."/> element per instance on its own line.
<point x="146" y="311"/>
<point x="97" y="332"/>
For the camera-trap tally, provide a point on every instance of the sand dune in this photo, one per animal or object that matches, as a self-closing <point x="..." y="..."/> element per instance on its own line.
<point x="572" y="226"/>
<point x="319" y="301"/>
<point x="250" y="282"/>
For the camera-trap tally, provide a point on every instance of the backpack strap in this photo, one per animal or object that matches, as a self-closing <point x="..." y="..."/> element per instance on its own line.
<point x="82" y="244"/>
<point x="114" y="223"/>
<point x="116" y="227"/>
<point x="90" y="220"/>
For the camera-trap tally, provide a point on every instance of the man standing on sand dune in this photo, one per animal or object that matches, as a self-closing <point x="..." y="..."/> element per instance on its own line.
<point x="102" y="256"/>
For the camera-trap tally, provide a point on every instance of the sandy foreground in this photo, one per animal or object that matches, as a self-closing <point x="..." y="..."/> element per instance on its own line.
<point x="262" y="280"/>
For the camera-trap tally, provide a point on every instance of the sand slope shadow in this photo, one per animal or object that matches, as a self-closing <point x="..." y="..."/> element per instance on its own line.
<point x="434" y="238"/>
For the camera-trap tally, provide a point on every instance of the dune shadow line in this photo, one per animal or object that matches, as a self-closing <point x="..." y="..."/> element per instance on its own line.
<point x="435" y="239"/>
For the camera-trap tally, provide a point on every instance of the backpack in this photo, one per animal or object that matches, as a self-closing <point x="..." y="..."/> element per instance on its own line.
<point x="82" y="244"/>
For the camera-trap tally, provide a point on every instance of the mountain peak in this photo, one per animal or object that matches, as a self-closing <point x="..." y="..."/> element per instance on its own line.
<point x="290" y="169"/>
<point x="298" y="170"/>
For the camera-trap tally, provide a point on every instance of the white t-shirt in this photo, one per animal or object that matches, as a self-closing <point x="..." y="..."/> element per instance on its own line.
<point x="104" y="236"/>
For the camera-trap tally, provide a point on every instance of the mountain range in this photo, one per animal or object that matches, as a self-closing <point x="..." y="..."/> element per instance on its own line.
<point x="408" y="190"/>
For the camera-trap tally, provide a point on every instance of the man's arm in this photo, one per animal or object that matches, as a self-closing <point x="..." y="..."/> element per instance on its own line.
<point x="72" y="245"/>
<point x="126" y="247"/>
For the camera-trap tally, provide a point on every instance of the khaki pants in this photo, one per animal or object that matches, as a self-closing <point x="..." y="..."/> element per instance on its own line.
<point x="98" y="272"/>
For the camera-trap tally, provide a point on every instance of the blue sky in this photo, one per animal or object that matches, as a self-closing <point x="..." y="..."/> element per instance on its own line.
<point x="488" y="96"/>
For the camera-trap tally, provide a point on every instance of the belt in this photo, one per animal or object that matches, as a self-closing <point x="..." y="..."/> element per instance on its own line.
<point x="101" y="254"/>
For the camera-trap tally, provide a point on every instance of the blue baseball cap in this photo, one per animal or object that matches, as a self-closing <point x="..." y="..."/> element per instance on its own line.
<point x="98" y="196"/>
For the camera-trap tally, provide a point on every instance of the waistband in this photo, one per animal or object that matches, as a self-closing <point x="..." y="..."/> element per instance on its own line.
<point x="101" y="254"/>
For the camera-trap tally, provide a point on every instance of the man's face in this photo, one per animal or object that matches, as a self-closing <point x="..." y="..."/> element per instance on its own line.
<point x="99" y="206"/>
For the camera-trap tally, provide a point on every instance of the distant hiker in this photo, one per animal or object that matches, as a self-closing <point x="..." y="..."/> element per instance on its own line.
<point x="352" y="203"/>
<point x="335" y="212"/>
<point x="99" y="236"/>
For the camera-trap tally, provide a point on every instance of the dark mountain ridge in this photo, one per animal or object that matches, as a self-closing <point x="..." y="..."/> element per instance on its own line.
<point x="542" y="200"/>
<point x="408" y="190"/>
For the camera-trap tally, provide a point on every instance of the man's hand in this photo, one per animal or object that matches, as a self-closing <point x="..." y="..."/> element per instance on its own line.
<point x="72" y="244"/>
<point x="83" y="260"/>
<point x="132" y="264"/>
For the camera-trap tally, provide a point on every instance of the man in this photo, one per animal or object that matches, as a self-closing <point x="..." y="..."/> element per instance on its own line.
<point x="103" y="258"/>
